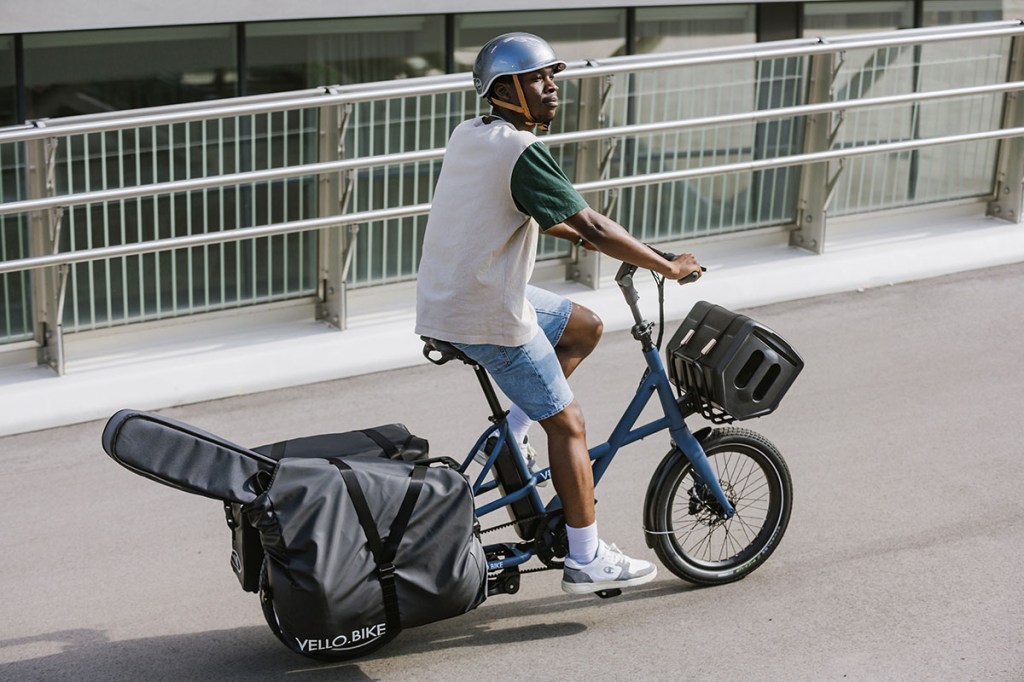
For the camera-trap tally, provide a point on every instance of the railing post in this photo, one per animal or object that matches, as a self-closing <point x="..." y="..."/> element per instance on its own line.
<point x="812" y="202"/>
<point x="591" y="160"/>
<point x="331" y="292"/>
<point x="48" y="284"/>
<point x="1008" y="202"/>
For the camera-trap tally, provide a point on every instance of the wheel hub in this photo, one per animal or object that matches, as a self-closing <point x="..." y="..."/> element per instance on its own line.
<point x="706" y="507"/>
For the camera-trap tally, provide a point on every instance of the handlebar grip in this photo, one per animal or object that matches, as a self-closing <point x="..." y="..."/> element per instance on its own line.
<point x="692" y="277"/>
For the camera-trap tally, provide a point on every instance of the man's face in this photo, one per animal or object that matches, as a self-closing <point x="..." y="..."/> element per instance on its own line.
<point x="541" y="93"/>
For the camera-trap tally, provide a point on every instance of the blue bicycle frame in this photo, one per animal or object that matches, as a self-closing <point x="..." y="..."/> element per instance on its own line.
<point x="655" y="381"/>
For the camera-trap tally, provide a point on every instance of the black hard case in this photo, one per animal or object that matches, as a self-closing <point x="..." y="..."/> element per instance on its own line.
<point x="731" y="366"/>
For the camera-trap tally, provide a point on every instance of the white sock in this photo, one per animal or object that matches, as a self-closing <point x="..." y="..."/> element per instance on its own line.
<point x="583" y="543"/>
<point x="518" y="423"/>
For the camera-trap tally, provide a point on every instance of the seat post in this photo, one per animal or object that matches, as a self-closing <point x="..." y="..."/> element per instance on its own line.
<point x="497" y="414"/>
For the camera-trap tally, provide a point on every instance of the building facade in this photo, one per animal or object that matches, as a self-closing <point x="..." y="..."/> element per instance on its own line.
<point x="63" y="58"/>
<point x="70" y="64"/>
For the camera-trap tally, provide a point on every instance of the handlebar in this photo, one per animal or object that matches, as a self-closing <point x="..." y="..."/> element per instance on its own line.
<point x="624" y="278"/>
<point x="626" y="270"/>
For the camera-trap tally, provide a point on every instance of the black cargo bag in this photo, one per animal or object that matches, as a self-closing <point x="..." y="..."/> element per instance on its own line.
<point x="390" y="440"/>
<point x="360" y="547"/>
<point x="357" y="548"/>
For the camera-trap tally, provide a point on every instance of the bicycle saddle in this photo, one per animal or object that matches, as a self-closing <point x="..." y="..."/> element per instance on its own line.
<point x="446" y="351"/>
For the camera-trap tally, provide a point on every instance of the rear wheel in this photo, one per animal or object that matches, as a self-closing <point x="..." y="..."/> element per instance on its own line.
<point x="321" y="654"/>
<point x="690" y="534"/>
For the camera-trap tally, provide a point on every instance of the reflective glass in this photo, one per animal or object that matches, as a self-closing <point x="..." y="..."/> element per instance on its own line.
<point x="842" y="18"/>
<point x="8" y="91"/>
<point x="674" y="29"/>
<point x="296" y="55"/>
<point x="574" y="34"/>
<point x="15" y="298"/>
<point x="85" y="72"/>
<point x="946" y="12"/>
<point x="712" y="204"/>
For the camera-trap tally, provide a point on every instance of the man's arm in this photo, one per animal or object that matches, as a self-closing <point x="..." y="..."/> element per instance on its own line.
<point x="607" y="236"/>
<point x="563" y="231"/>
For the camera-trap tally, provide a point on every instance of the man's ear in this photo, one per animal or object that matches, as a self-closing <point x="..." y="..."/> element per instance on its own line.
<point x="503" y="91"/>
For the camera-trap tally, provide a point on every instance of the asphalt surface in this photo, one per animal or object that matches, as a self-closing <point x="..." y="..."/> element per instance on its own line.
<point x="902" y="560"/>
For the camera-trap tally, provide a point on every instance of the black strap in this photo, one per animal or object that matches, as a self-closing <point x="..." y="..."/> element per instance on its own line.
<point x="384" y="551"/>
<point x="389" y="448"/>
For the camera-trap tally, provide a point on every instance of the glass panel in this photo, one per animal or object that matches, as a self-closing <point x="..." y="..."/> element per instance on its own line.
<point x="842" y="18"/>
<point x="1013" y="9"/>
<point x="15" y="290"/>
<point x="960" y="170"/>
<point x="389" y="250"/>
<point x="945" y="12"/>
<point x="296" y="55"/>
<point x="872" y="181"/>
<point x="705" y="205"/>
<point x="186" y="281"/>
<point x="86" y="72"/>
<point x="574" y="34"/>
<point x="675" y="29"/>
<point x="302" y="54"/>
<point x="15" y="298"/>
<point x="8" y="89"/>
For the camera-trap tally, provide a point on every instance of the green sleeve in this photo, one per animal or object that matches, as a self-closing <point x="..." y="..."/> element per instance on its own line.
<point x="541" y="190"/>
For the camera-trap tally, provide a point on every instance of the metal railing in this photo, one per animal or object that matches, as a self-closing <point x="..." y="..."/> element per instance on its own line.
<point x="118" y="218"/>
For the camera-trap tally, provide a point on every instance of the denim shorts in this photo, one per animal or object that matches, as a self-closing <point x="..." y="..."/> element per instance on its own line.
<point x="530" y="374"/>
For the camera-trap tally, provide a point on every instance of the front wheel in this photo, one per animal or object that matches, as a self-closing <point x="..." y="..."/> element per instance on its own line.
<point x="685" y="527"/>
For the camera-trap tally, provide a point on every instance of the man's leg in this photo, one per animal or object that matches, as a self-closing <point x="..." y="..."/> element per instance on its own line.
<point x="571" y="471"/>
<point x="580" y="337"/>
<point x="592" y="565"/>
<point x="577" y="339"/>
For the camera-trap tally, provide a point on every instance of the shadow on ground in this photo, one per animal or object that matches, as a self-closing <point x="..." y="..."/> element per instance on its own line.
<point x="253" y="653"/>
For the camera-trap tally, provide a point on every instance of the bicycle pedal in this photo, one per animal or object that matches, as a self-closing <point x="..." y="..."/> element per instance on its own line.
<point x="608" y="594"/>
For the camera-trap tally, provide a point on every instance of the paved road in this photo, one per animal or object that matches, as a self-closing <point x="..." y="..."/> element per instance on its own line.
<point x="902" y="560"/>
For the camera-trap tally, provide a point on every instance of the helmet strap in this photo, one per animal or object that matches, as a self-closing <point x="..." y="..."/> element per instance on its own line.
<point x="522" y="107"/>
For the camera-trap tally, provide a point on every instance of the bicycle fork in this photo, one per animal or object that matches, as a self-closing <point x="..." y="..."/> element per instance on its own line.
<point x="683" y="439"/>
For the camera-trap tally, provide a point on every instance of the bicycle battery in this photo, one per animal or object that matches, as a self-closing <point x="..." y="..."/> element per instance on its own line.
<point x="526" y="515"/>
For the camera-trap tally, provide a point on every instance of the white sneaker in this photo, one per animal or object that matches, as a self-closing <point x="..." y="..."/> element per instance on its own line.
<point x="528" y="452"/>
<point x="610" y="570"/>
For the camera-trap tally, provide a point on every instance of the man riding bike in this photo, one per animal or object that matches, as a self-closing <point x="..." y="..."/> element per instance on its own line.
<point x="498" y="187"/>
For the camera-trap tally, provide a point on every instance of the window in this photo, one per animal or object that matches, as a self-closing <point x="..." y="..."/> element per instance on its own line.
<point x="674" y="29"/>
<point x="295" y="55"/>
<point x="8" y="80"/>
<point x="86" y="72"/>
<point x="574" y="34"/>
<point x="841" y="18"/>
<point x="946" y="12"/>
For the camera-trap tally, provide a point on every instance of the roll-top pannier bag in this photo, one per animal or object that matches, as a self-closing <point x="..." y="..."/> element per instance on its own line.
<point x="357" y="548"/>
<point x="361" y="547"/>
<point x="389" y="440"/>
